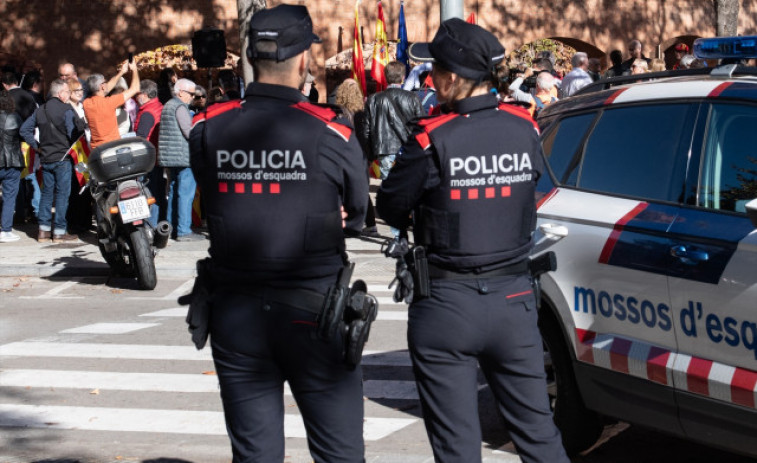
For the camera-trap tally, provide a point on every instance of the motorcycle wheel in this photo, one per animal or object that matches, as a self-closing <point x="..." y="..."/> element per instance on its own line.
<point x="143" y="259"/>
<point x="116" y="259"/>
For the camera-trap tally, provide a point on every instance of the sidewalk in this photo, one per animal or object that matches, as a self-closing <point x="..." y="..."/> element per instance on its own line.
<point x="27" y="257"/>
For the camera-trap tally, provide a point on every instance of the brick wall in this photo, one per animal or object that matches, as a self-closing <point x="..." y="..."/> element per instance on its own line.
<point x="97" y="34"/>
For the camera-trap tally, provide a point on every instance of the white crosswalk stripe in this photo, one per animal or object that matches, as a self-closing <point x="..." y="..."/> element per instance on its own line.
<point x="125" y="419"/>
<point x="163" y="421"/>
<point x="166" y="382"/>
<point x="154" y="352"/>
<point x="383" y="315"/>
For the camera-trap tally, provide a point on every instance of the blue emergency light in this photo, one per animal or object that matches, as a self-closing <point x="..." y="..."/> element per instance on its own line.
<point x="726" y="47"/>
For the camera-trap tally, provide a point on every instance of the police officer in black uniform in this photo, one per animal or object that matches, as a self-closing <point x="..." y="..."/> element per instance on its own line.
<point x="275" y="172"/>
<point x="468" y="178"/>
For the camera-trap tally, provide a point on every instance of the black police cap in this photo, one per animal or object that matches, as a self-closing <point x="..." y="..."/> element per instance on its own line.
<point x="289" y="26"/>
<point x="463" y="48"/>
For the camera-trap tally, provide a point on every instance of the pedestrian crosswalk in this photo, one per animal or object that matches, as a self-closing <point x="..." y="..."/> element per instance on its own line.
<point x="108" y="356"/>
<point x="138" y="374"/>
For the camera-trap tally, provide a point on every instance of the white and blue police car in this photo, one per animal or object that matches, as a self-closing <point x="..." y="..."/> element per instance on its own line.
<point x="651" y="315"/>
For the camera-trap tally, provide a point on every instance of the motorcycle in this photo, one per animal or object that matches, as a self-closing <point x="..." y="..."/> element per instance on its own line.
<point x="127" y="241"/>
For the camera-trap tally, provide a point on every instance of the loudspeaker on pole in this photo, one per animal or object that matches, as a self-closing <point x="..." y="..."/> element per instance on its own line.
<point x="209" y="48"/>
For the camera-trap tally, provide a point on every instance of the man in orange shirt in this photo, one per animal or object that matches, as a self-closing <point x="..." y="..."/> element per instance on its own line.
<point x="100" y="110"/>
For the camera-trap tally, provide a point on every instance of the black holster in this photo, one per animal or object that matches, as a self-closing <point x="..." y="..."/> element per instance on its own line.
<point x="543" y="263"/>
<point x="347" y="315"/>
<point x="330" y="319"/>
<point x="419" y="267"/>
<point x="198" y="315"/>
<point x="359" y="314"/>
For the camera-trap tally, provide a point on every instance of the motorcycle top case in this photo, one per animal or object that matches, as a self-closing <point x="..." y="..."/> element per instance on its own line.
<point x="121" y="159"/>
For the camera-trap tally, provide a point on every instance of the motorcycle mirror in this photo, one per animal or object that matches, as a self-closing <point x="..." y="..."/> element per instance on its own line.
<point x="81" y="167"/>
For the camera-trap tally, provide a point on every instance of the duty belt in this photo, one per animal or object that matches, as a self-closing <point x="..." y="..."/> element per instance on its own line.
<point x="438" y="273"/>
<point x="303" y="299"/>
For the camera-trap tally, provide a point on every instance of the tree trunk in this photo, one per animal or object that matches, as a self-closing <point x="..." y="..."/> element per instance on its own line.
<point x="727" y="17"/>
<point x="245" y="10"/>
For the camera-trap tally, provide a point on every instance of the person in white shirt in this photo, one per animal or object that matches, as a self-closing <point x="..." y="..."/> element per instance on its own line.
<point x="578" y="78"/>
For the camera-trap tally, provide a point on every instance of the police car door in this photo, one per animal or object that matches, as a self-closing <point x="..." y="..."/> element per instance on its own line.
<point x="713" y="281"/>
<point x="621" y="183"/>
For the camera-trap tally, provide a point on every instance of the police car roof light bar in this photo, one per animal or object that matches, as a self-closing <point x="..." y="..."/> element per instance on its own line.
<point x="726" y="47"/>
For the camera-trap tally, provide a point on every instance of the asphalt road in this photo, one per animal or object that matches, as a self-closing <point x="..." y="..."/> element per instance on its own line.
<point x="97" y="371"/>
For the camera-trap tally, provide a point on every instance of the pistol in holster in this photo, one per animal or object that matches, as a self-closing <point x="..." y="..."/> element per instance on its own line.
<point x="539" y="265"/>
<point x="347" y="315"/>
<point x="198" y="315"/>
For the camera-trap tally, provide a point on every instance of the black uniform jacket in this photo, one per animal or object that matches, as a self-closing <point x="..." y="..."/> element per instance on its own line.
<point x="468" y="179"/>
<point x="274" y="171"/>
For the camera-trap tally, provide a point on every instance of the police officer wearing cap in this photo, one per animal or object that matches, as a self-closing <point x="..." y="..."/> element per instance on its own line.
<point x="275" y="172"/>
<point x="467" y="177"/>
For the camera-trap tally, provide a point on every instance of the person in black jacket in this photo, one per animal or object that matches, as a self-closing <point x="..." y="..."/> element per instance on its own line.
<point x="11" y="164"/>
<point x="27" y="200"/>
<point x="23" y="100"/>
<point x="57" y="122"/>
<point x="388" y="115"/>
<point x="635" y="49"/>
<point x="468" y="177"/>
<point x="275" y="172"/>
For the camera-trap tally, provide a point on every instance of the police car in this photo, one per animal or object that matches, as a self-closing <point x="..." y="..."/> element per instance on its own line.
<point x="649" y="205"/>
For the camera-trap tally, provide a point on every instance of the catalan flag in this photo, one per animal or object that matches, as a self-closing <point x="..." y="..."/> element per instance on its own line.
<point x="31" y="162"/>
<point x="374" y="170"/>
<point x="358" y="67"/>
<point x="79" y="152"/>
<point x="380" y="51"/>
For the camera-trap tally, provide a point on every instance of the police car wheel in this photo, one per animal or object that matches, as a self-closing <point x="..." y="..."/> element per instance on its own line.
<point x="579" y="426"/>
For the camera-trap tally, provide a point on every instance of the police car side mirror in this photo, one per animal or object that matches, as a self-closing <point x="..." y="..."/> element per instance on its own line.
<point x="751" y="211"/>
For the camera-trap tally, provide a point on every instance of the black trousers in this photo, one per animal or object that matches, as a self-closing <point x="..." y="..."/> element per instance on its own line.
<point x="259" y="344"/>
<point x="492" y="323"/>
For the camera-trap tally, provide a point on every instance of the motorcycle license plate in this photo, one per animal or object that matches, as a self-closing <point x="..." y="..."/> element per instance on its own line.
<point x="134" y="209"/>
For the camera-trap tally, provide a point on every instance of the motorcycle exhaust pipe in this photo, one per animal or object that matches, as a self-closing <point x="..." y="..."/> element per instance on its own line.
<point x="162" y="233"/>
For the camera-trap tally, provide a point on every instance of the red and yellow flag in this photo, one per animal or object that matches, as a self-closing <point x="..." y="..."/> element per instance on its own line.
<point x="79" y="152"/>
<point x="30" y="160"/>
<point x="380" y="51"/>
<point x="374" y="170"/>
<point x="358" y="67"/>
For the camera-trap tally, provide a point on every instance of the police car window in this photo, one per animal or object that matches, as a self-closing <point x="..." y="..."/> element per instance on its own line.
<point x="728" y="177"/>
<point x="561" y="147"/>
<point x="639" y="151"/>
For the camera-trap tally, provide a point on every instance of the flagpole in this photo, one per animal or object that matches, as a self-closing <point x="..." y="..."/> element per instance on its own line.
<point x="451" y="9"/>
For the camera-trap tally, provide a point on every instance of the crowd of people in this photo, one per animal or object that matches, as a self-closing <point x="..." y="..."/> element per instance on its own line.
<point x="269" y="294"/>
<point x="382" y="120"/>
<point x="101" y="110"/>
<point x="39" y="130"/>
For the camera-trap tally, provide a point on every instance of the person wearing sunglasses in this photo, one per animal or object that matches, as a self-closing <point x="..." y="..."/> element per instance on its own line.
<point x="199" y="100"/>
